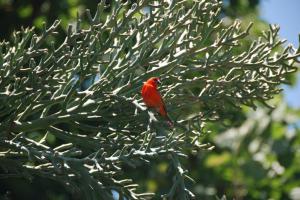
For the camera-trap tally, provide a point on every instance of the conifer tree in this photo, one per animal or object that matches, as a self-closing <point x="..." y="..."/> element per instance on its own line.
<point x="85" y="93"/>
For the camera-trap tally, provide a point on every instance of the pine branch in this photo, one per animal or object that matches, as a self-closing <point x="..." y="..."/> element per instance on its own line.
<point x="85" y="91"/>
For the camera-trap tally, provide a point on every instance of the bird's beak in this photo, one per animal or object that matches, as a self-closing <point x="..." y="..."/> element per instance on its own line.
<point x="158" y="81"/>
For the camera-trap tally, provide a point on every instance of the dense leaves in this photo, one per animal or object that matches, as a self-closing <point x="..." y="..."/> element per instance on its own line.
<point x="84" y="93"/>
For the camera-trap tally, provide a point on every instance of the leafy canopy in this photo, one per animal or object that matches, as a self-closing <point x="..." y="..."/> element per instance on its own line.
<point x="84" y="92"/>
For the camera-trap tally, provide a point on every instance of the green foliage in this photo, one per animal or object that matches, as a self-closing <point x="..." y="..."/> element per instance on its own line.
<point x="72" y="112"/>
<point x="256" y="160"/>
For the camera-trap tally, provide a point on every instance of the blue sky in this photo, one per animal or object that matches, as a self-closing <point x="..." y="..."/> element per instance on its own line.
<point x="286" y="13"/>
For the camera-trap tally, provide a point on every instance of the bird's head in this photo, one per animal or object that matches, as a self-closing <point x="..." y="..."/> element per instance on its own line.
<point x="153" y="81"/>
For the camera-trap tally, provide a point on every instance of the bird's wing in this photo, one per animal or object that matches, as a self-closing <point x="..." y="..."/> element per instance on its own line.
<point x="151" y="96"/>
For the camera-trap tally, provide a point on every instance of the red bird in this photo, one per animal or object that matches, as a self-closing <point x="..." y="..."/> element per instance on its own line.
<point x="153" y="99"/>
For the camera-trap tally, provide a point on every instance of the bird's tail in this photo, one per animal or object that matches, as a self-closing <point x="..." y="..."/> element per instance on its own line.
<point x="169" y="121"/>
<point x="163" y="112"/>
